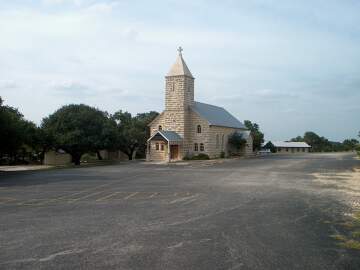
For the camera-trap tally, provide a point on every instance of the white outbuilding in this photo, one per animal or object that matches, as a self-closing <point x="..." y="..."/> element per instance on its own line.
<point x="284" y="147"/>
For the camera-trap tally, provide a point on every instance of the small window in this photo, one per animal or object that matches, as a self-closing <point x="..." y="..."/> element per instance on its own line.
<point x="222" y="141"/>
<point x="202" y="147"/>
<point x="157" y="146"/>
<point x="160" y="128"/>
<point x="196" y="147"/>
<point x="303" y="149"/>
<point x="298" y="149"/>
<point x="162" y="147"/>
<point x="287" y="149"/>
<point x="217" y="141"/>
<point x="198" y="129"/>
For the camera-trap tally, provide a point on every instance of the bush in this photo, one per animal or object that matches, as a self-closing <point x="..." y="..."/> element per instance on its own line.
<point x="222" y="154"/>
<point x="236" y="140"/>
<point x="197" y="157"/>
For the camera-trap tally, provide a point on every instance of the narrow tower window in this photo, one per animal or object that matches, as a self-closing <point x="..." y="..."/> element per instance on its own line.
<point x="160" y="128"/>
<point x="198" y="129"/>
<point x="196" y="147"/>
<point x="202" y="148"/>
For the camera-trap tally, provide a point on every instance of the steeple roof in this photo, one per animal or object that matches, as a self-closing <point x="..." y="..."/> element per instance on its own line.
<point x="179" y="68"/>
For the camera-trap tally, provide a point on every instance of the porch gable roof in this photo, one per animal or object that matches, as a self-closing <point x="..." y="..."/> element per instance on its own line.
<point x="170" y="136"/>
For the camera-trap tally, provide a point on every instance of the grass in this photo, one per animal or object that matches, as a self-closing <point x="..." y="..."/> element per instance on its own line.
<point x="352" y="240"/>
<point x="356" y="234"/>
<point x="351" y="244"/>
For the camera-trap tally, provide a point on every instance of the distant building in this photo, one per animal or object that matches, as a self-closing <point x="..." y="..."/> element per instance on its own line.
<point x="290" y="147"/>
<point x="187" y="127"/>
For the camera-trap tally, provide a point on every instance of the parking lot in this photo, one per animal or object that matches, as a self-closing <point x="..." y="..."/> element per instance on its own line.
<point x="273" y="212"/>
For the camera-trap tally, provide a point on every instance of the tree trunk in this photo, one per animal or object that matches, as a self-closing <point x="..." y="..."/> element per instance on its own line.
<point x="76" y="158"/>
<point x="99" y="155"/>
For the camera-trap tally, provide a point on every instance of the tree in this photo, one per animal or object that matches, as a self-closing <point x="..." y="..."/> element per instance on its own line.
<point x="270" y="146"/>
<point x="236" y="140"/>
<point x="258" y="136"/>
<point x="78" y="129"/>
<point x="16" y="133"/>
<point x="133" y="131"/>
<point x="350" y="144"/>
<point x="322" y="144"/>
<point x="297" y="139"/>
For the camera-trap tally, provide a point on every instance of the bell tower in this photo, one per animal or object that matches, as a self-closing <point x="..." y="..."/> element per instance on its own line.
<point x="179" y="89"/>
<point x="179" y="96"/>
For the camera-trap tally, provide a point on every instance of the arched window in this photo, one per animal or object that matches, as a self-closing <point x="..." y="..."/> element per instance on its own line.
<point x="196" y="147"/>
<point x="202" y="148"/>
<point x="217" y="141"/>
<point x="157" y="146"/>
<point x="160" y="128"/>
<point x="198" y="129"/>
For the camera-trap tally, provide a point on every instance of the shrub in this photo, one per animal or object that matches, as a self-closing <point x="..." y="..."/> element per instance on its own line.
<point x="201" y="157"/>
<point x="236" y="140"/>
<point x="222" y="154"/>
<point x="197" y="157"/>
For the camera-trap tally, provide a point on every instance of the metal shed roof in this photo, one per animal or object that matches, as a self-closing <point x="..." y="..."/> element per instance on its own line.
<point x="291" y="144"/>
<point x="216" y="116"/>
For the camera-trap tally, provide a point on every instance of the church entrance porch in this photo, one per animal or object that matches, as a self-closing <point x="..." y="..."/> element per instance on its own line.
<point x="174" y="152"/>
<point x="164" y="146"/>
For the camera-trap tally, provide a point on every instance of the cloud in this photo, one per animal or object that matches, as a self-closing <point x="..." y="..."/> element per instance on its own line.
<point x="267" y="61"/>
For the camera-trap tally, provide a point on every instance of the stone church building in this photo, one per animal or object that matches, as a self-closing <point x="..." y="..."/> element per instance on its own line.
<point x="187" y="127"/>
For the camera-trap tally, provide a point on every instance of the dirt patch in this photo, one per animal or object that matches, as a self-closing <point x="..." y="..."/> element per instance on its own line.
<point x="349" y="225"/>
<point x="24" y="168"/>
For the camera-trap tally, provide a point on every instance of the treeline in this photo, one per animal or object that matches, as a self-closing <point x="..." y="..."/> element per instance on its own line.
<point x="76" y="129"/>
<point x="322" y="144"/>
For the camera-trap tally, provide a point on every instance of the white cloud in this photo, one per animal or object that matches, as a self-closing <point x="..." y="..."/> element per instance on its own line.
<point x="114" y="54"/>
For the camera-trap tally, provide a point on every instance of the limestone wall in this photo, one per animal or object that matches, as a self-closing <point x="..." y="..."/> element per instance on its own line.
<point x="158" y="155"/>
<point x="209" y="135"/>
<point x="56" y="158"/>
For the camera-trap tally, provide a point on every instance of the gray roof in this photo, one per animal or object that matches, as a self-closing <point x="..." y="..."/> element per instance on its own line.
<point x="170" y="136"/>
<point x="291" y="144"/>
<point x="216" y="116"/>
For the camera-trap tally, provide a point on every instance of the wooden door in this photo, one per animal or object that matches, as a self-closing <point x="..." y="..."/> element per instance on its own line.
<point x="174" y="151"/>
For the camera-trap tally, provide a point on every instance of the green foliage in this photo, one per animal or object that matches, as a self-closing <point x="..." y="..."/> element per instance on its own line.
<point x="270" y="146"/>
<point x="236" y="140"/>
<point x="322" y="144"/>
<point x="197" y="157"/>
<point x="78" y="129"/>
<point x="17" y="135"/>
<point x="133" y="132"/>
<point x="258" y="136"/>
<point x="350" y="144"/>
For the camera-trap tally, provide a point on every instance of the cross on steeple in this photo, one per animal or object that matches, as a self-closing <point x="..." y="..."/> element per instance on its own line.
<point x="180" y="50"/>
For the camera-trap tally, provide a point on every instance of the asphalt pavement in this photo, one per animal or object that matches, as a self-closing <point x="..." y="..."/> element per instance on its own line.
<point x="270" y="212"/>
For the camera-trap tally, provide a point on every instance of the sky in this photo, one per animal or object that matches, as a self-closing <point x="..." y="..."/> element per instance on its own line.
<point x="290" y="66"/>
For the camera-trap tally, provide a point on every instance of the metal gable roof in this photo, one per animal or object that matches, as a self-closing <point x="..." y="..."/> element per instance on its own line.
<point x="216" y="116"/>
<point x="291" y="144"/>
<point x="170" y="136"/>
